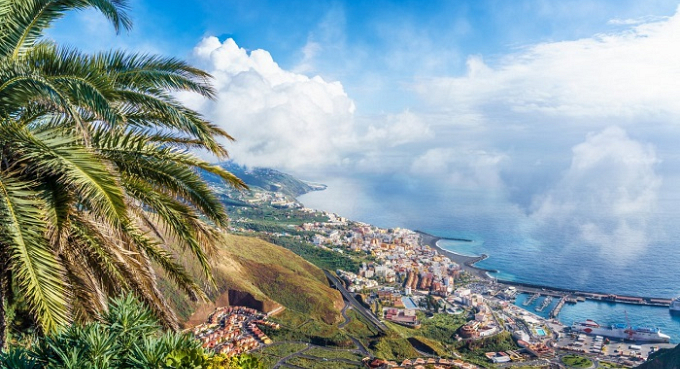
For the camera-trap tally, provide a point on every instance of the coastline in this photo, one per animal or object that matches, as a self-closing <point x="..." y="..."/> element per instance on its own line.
<point x="467" y="263"/>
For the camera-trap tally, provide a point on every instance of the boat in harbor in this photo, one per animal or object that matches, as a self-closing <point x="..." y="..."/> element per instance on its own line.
<point x="621" y="331"/>
<point x="546" y="302"/>
<point x="675" y="306"/>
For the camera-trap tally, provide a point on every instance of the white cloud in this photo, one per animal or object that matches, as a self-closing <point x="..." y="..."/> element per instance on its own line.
<point x="635" y="21"/>
<point x="606" y="196"/>
<point x="397" y="129"/>
<point x="459" y="168"/>
<point x="279" y="118"/>
<point x="288" y="120"/>
<point x="629" y="74"/>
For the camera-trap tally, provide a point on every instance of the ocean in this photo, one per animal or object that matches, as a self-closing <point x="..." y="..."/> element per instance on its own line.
<point x="519" y="248"/>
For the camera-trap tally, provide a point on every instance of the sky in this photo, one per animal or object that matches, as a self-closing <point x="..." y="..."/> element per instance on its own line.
<point x="566" y="110"/>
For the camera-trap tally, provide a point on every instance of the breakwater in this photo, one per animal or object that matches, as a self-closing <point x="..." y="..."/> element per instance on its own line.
<point x="570" y="295"/>
<point x="575" y="295"/>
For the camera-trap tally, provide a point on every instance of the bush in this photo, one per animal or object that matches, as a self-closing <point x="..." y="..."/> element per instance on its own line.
<point x="127" y="336"/>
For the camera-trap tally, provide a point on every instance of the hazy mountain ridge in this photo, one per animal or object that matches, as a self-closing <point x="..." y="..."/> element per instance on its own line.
<point x="266" y="179"/>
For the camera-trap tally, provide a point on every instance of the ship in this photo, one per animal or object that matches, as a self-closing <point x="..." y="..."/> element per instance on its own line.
<point x="621" y="331"/>
<point x="675" y="306"/>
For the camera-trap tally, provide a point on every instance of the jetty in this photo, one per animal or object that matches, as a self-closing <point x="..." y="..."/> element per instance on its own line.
<point x="573" y="296"/>
<point x="557" y="308"/>
<point x="531" y="299"/>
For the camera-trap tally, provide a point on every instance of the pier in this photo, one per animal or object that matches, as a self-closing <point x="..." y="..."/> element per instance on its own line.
<point x="556" y="310"/>
<point x="573" y="296"/>
<point x="531" y="299"/>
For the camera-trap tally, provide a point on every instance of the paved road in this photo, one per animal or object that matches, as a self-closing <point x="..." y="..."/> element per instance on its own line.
<point x="281" y="361"/>
<point x="344" y="315"/>
<point x="335" y="282"/>
<point x="358" y="363"/>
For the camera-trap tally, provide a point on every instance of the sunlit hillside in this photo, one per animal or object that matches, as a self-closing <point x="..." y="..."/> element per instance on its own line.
<point x="249" y="271"/>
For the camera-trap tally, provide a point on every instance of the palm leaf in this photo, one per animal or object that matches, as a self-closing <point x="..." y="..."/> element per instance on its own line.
<point x="34" y="266"/>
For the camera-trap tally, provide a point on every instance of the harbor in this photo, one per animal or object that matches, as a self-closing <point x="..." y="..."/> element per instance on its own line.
<point x="570" y="305"/>
<point x="571" y="295"/>
<point x="574" y="296"/>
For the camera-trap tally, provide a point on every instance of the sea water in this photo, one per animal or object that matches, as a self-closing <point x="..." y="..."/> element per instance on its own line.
<point x="519" y="252"/>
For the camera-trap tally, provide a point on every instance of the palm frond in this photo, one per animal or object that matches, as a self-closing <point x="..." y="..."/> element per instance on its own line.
<point x="22" y="22"/>
<point x="34" y="266"/>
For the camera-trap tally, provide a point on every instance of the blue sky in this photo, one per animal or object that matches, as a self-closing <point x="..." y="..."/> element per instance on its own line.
<point x="395" y="40"/>
<point x="565" y="111"/>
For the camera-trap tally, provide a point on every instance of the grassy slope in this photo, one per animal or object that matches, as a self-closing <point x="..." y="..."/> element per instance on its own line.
<point x="270" y="274"/>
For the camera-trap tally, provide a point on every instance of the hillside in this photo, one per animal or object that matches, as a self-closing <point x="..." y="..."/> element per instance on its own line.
<point x="252" y="272"/>
<point x="266" y="179"/>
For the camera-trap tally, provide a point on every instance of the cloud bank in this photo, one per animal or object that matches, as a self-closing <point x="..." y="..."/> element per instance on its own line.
<point x="629" y="74"/>
<point x="605" y="197"/>
<point x="559" y="131"/>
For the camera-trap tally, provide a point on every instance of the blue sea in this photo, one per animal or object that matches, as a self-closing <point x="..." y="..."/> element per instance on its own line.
<point x="519" y="249"/>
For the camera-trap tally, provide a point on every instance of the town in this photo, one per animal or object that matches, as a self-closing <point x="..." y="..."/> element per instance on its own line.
<point x="403" y="280"/>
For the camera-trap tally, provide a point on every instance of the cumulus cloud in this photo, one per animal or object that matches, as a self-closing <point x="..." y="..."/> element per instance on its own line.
<point x="628" y="74"/>
<point x="606" y="196"/>
<point x="279" y="118"/>
<point x="291" y="121"/>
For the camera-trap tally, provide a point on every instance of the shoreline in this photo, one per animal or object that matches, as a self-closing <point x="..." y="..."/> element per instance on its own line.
<point x="467" y="263"/>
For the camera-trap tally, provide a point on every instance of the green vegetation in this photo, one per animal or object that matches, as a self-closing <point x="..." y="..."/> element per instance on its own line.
<point x="359" y="328"/>
<point x="95" y="155"/>
<point x="300" y="327"/>
<point x="320" y="364"/>
<point x="270" y="214"/>
<point x="439" y="327"/>
<point x="391" y="348"/>
<point x="324" y="259"/>
<point x="282" y="349"/>
<point x="127" y="336"/>
<point x="442" y="327"/>
<point x="267" y="361"/>
<point x="430" y="346"/>
<point x="270" y="274"/>
<point x="333" y="354"/>
<point x="474" y="350"/>
<point x="577" y="361"/>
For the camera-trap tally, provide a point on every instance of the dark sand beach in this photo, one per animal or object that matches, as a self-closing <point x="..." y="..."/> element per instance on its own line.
<point x="467" y="263"/>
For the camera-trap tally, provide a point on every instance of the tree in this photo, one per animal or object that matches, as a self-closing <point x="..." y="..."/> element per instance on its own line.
<point x="97" y="180"/>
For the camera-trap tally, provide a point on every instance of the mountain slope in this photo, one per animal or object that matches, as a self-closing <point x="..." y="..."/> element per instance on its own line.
<point x="252" y="272"/>
<point x="266" y="179"/>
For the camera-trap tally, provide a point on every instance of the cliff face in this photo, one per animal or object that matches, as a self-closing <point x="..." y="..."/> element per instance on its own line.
<point x="251" y="272"/>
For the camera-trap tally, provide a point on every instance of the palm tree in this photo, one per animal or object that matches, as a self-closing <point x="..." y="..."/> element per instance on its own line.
<point x="97" y="180"/>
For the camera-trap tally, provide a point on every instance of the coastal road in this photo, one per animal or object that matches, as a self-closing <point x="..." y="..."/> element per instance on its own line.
<point x="335" y="282"/>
